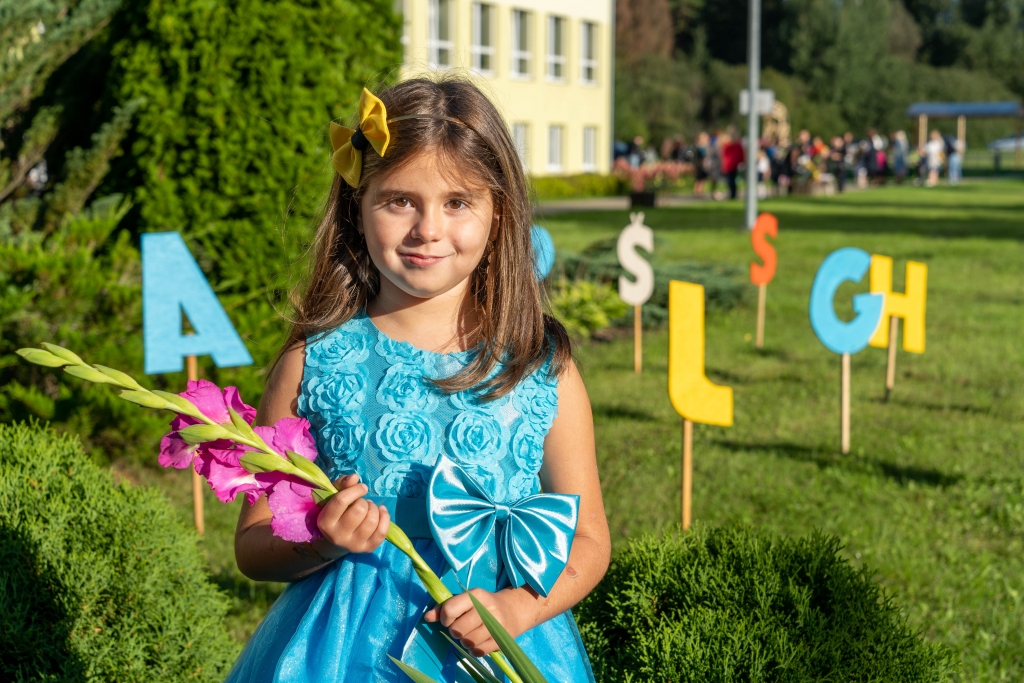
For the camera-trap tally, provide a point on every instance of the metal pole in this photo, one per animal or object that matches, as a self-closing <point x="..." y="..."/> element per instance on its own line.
<point x="753" y="122"/>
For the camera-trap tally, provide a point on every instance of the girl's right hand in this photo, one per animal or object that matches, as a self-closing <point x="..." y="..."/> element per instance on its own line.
<point x="351" y="522"/>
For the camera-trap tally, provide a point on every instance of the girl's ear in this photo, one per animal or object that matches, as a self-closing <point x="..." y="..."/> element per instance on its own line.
<point x="495" y="222"/>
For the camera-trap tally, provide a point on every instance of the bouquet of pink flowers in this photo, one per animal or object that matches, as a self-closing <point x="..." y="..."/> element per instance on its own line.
<point x="212" y="431"/>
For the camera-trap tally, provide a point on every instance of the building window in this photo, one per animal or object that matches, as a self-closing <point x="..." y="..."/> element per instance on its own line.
<point x="588" y="52"/>
<point x="521" y="140"/>
<point x="556" y="48"/>
<point x="483" y="38"/>
<point x="521" y="55"/>
<point x="555" y="148"/>
<point x="589" y="148"/>
<point x="439" y="44"/>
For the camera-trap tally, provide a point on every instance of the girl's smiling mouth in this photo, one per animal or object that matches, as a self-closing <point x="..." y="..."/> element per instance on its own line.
<point x="420" y="260"/>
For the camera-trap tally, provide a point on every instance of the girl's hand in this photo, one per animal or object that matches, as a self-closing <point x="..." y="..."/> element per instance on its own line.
<point x="461" y="619"/>
<point x="351" y="522"/>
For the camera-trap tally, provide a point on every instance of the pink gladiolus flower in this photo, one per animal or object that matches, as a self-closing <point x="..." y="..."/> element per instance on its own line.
<point x="214" y="402"/>
<point x="295" y="512"/>
<point x="227" y="477"/>
<point x="174" y="452"/>
<point x="290" y="434"/>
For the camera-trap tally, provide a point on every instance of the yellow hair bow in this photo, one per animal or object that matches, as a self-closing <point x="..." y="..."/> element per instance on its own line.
<point x="349" y="144"/>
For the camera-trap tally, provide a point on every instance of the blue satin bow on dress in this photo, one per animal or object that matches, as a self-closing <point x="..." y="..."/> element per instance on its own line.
<point x="487" y="543"/>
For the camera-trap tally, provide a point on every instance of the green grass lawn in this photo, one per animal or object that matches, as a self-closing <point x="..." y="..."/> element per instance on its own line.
<point x="932" y="495"/>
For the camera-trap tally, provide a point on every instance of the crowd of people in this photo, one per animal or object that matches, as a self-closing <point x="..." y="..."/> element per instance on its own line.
<point x="808" y="164"/>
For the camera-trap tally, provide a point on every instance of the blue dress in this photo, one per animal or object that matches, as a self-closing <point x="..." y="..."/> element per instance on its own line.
<point x="373" y="412"/>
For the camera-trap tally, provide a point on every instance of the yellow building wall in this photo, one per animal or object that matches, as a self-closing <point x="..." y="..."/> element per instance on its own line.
<point x="535" y="100"/>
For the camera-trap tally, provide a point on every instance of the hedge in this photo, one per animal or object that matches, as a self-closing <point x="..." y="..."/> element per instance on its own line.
<point x="98" y="581"/>
<point x="734" y="604"/>
<point x="573" y="186"/>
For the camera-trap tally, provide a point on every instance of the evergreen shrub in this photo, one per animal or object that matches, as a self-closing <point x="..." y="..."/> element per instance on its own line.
<point x="734" y="604"/>
<point x="98" y="581"/>
<point x="724" y="285"/>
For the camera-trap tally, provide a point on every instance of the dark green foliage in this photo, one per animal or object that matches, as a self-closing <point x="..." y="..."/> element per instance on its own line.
<point x="231" y="147"/>
<point x="733" y="604"/>
<point x="78" y="287"/>
<point x="100" y="582"/>
<point x="724" y="286"/>
<point x="837" y="66"/>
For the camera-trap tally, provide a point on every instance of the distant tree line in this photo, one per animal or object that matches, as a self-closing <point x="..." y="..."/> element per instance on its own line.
<point x="836" y="64"/>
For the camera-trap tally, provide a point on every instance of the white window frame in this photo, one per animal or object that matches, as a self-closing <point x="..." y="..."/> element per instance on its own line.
<point x="556" y="148"/>
<point x="589" y="149"/>
<point x="554" y="61"/>
<point x="521" y="26"/>
<point x="435" y="44"/>
<point x="588" y="44"/>
<point x="483" y="12"/>
<point x="521" y="141"/>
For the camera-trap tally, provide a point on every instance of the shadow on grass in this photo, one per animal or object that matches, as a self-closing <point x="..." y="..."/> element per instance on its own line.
<point x="247" y="590"/>
<point x="964" y="408"/>
<point x="825" y="459"/>
<point x="622" y="412"/>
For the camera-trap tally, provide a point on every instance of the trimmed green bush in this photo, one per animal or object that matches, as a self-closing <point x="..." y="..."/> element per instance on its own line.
<point x="574" y="186"/>
<point x="584" y="307"/>
<point x="98" y="581"/>
<point x="733" y="604"/>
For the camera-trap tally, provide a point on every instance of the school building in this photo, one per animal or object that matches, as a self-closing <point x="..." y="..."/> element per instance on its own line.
<point x="546" y="64"/>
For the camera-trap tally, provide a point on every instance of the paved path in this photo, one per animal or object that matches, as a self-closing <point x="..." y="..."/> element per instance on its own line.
<point x="557" y="206"/>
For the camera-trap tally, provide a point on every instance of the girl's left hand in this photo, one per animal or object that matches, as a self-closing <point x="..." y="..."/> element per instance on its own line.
<point x="465" y="625"/>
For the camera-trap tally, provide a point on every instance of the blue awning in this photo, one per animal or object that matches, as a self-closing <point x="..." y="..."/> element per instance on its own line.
<point x="951" y="110"/>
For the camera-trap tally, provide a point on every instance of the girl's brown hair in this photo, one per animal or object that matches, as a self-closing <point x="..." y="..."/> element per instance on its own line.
<point x="514" y="334"/>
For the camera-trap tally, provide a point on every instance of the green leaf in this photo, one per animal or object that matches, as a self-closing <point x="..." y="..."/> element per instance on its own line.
<point x="520" y="662"/>
<point x="63" y="353"/>
<point x="310" y="469"/>
<point x="412" y="673"/>
<point x="179" y="404"/>
<point x="477" y="670"/>
<point x="40" y="357"/>
<point x="121" y="378"/>
<point x="203" y="433"/>
<point x="265" y="462"/>
<point x="88" y="374"/>
<point x="243" y="427"/>
<point x="144" y="398"/>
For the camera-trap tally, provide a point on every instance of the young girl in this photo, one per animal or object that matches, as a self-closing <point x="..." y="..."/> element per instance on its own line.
<point x="420" y="340"/>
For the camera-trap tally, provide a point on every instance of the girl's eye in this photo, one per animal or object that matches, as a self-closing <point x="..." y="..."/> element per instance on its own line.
<point x="401" y="202"/>
<point x="456" y="204"/>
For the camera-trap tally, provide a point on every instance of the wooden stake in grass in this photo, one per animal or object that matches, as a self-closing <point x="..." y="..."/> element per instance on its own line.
<point x="687" y="472"/>
<point x="766" y="226"/>
<point x="197" y="481"/>
<point x="890" y="366"/>
<point x="636" y="292"/>
<point x="844" y="404"/>
<point x="762" y="294"/>
<point x="638" y="346"/>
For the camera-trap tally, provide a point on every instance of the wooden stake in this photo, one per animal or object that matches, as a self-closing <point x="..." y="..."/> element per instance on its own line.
<point x="638" y="347"/>
<point x="687" y="471"/>
<point x="844" y="405"/>
<point x="890" y="367"/>
<point x="762" y="295"/>
<point x="197" y="482"/>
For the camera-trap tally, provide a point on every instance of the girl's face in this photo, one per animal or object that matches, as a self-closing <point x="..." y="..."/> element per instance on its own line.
<point x="425" y="231"/>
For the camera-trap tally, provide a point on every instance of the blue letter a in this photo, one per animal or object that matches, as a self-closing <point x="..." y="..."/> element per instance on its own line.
<point x="172" y="283"/>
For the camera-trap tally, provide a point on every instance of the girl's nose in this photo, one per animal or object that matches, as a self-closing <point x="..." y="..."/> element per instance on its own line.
<point x="428" y="227"/>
